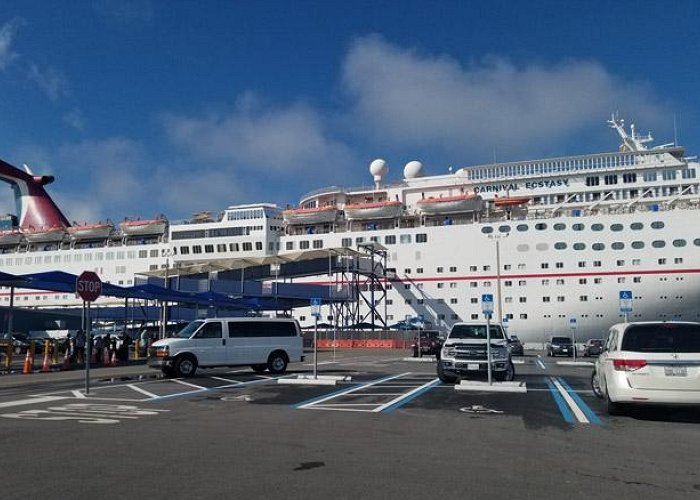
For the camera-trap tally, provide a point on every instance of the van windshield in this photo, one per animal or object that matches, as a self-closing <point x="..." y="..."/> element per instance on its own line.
<point x="187" y="332"/>
<point x="475" y="332"/>
<point x="664" y="337"/>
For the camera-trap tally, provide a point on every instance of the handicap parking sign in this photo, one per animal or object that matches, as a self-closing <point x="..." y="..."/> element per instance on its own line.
<point x="487" y="304"/>
<point x="316" y="307"/>
<point x="625" y="301"/>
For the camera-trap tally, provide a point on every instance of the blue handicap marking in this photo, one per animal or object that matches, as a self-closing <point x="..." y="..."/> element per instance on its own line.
<point x="316" y="301"/>
<point x="625" y="294"/>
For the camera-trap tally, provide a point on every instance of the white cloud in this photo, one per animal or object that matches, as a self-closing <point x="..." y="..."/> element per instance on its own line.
<point x="49" y="80"/>
<point x="411" y="98"/>
<point x="75" y="119"/>
<point x="7" y="35"/>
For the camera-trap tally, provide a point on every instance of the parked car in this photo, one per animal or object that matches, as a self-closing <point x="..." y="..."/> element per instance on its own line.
<point x="430" y="343"/>
<point x="593" y="347"/>
<point x="560" y="346"/>
<point x="649" y="363"/>
<point x="515" y="346"/>
<point x="464" y="353"/>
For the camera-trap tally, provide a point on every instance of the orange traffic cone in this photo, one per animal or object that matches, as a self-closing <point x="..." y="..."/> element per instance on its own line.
<point x="28" y="364"/>
<point x="105" y="357"/>
<point x="113" y="362"/>
<point x="46" y="366"/>
<point x="93" y="357"/>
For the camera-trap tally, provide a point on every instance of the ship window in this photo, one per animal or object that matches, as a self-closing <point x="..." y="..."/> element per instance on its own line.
<point x="669" y="175"/>
<point x="154" y="253"/>
<point x="289" y="245"/>
<point x="523" y="316"/>
<point x="258" y="245"/>
<point x="636" y="226"/>
<point x="345" y="243"/>
<point x="248" y="246"/>
<point x="453" y="269"/>
<point x="611" y="179"/>
<point x="234" y="247"/>
<point x="405" y="238"/>
<point x="440" y="269"/>
<point x="503" y="229"/>
<point x="637" y="245"/>
<point x="359" y="240"/>
<point x="696" y="242"/>
<point x="579" y="246"/>
<point x="597" y="227"/>
<point x="184" y="250"/>
<point x="679" y="243"/>
<point x="197" y="249"/>
<point x="421" y="238"/>
<point x="658" y="243"/>
<point x="120" y="254"/>
<point x="221" y="247"/>
<point x="390" y="239"/>
<point x="303" y="245"/>
<point x="209" y="248"/>
<point x="598" y="246"/>
<point x="649" y="176"/>
<point x="521" y="227"/>
<point x="523" y="247"/>
<point x="318" y="244"/>
<point x="542" y="247"/>
<point x="629" y="177"/>
<point x="688" y="173"/>
<point x="559" y="226"/>
<point x="540" y="226"/>
<point x="657" y="224"/>
<point x="143" y="254"/>
<point x="419" y="270"/>
<point x="487" y="230"/>
<point x="618" y="245"/>
<point x="616" y="227"/>
<point x="578" y="227"/>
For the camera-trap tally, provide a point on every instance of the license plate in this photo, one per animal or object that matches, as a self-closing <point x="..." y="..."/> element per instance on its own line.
<point x="473" y="366"/>
<point x="676" y="371"/>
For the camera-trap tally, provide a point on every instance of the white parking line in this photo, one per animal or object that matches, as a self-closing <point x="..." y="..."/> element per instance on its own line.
<point x="314" y="403"/>
<point x="78" y="394"/>
<point x="230" y="380"/>
<point x="405" y="395"/>
<point x="187" y="383"/>
<point x="142" y="391"/>
<point x="30" y="401"/>
<point x="578" y="413"/>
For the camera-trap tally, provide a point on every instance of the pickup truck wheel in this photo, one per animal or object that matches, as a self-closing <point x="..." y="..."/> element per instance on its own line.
<point x="185" y="366"/>
<point x="445" y="377"/>
<point x="168" y="372"/>
<point x="259" y="368"/>
<point x="506" y="375"/>
<point x="277" y="362"/>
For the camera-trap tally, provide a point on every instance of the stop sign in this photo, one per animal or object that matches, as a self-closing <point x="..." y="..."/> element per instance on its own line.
<point x="88" y="286"/>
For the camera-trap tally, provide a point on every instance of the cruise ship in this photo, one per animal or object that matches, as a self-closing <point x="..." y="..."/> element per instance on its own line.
<point x="552" y="239"/>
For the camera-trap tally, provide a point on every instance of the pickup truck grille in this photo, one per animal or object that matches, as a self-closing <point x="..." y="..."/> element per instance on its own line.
<point x="471" y="354"/>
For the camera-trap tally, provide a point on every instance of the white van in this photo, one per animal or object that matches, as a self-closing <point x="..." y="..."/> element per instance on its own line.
<point x="261" y="343"/>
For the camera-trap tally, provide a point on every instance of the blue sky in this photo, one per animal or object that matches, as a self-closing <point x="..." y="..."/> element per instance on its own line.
<point x="142" y="107"/>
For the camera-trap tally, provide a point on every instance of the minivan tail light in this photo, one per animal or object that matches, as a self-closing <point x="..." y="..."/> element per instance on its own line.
<point x="629" y="365"/>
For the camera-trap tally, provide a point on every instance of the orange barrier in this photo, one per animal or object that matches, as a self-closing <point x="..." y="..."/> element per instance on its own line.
<point x="362" y="344"/>
<point x="46" y="366"/>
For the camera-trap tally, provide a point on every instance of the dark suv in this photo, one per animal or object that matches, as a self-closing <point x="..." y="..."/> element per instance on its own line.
<point x="430" y="344"/>
<point x="560" y="346"/>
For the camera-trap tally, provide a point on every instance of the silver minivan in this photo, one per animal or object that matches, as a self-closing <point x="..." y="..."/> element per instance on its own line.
<point x="261" y="343"/>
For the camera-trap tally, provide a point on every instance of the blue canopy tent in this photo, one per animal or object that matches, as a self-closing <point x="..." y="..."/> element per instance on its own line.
<point x="12" y="281"/>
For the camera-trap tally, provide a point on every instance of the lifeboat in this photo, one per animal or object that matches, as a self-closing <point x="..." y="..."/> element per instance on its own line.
<point x="42" y="234"/>
<point x="10" y="237"/>
<point x="373" y="210"/>
<point x="90" y="231"/>
<point x="310" y="215"/>
<point x="511" y="201"/>
<point x="143" y="227"/>
<point x="450" y="204"/>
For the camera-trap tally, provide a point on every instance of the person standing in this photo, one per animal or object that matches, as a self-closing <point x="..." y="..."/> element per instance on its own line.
<point x="80" y="347"/>
<point x="97" y="347"/>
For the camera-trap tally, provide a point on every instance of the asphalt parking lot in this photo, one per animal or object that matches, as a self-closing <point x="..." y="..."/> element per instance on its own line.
<point x="392" y="430"/>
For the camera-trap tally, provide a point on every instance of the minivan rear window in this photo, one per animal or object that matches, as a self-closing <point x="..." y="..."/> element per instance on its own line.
<point x="475" y="332"/>
<point x="261" y="329"/>
<point x="663" y="337"/>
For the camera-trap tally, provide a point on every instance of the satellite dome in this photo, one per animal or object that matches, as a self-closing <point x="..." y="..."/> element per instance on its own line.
<point x="413" y="169"/>
<point x="378" y="168"/>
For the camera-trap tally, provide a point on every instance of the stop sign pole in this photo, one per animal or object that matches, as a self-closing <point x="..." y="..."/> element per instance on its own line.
<point x="88" y="287"/>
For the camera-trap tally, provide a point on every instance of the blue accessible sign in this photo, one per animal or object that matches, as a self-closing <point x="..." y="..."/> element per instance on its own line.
<point x="487" y="304"/>
<point x="316" y="307"/>
<point x="625" y="301"/>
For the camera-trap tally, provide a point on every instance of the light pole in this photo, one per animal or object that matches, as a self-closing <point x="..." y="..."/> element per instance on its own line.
<point x="499" y="303"/>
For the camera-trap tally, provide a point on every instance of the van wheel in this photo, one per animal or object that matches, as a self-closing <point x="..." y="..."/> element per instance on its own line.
<point x="259" y="368"/>
<point x="595" y="385"/>
<point x="185" y="366"/>
<point x="614" y="409"/>
<point x="444" y="376"/>
<point x="277" y="362"/>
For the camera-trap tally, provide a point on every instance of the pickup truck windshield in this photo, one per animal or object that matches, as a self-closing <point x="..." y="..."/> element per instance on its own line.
<point x="187" y="332"/>
<point x="477" y="332"/>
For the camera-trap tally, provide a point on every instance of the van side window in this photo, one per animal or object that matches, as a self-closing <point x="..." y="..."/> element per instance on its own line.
<point x="210" y="331"/>
<point x="261" y="329"/>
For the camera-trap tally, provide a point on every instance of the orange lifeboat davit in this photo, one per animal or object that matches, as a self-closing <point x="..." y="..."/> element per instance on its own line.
<point x="43" y="234"/>
<point x="90" y="231"/>
<point x="315" y="215"/>
<point x="373" y="210"/>
<point x="450" y="204"/>
<point x="145" y="227"/>
<point x="511" y="201"/>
